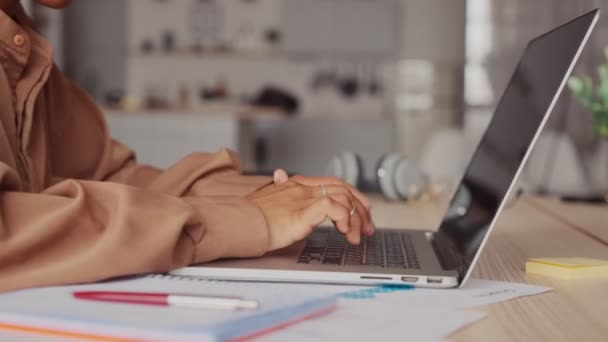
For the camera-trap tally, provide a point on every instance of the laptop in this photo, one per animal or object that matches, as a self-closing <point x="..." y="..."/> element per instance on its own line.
<point x="444" y="258"/>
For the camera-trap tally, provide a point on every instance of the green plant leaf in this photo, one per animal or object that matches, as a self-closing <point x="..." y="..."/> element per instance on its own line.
<point x="587" y="85"/>
<point x="602" y="131"/>
<point x="594" y="97"/>
<point x="585" y="95"/>
<point x="582" y="88"/>
<point x="601" y="124"/>
<point x="575" y="84"/>
<point x="602" y="89"/>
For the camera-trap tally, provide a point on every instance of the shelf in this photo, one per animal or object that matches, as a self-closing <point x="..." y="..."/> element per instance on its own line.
<point x="185" y="54"/>
<point x="232" y="111"/>
<point x="242" y="113"/>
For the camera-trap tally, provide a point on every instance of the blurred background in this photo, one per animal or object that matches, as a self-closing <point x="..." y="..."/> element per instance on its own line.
<point x="291" y="83"/>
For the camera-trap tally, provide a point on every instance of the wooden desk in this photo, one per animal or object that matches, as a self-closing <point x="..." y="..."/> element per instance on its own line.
<point x="590" y="220"/>
<point x="575" y="310"/>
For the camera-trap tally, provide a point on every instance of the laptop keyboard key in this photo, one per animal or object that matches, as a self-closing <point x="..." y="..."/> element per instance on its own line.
<point x="383" y="249"/>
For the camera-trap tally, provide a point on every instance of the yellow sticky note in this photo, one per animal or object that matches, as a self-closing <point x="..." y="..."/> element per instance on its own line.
<point x="568" y="268"/>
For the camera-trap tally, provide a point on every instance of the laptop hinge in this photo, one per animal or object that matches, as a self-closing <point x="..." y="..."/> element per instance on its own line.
<point x="449" y="257"/>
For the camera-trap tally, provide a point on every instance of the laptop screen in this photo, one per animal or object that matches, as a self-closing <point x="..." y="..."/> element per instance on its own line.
<point x="518" y="118"/>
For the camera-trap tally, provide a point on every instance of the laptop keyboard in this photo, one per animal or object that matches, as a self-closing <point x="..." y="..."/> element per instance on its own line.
<point x="385" y="249"/>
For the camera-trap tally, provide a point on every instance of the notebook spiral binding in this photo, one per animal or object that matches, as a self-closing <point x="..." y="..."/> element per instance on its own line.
<point x="166" y="276"/>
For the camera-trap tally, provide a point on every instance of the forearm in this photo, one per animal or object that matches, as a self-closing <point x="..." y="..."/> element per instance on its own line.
<point x="88" y="231"/>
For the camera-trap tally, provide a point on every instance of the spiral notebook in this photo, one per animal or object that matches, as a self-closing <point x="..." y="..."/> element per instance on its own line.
<point x="55" y="311"/>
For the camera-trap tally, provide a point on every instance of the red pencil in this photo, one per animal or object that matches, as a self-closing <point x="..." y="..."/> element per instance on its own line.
<point x="166" y="299"/>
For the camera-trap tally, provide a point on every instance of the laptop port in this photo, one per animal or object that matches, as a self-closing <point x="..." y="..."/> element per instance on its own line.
<point x="434" y="280"/>
<point x="376" y="278"/>
<point x="410" y="279"/>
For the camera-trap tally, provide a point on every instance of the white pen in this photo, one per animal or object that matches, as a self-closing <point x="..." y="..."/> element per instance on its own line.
<point x="167" y="299"/>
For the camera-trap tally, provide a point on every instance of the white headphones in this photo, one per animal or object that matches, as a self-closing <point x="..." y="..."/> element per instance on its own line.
<point x="396" y="176"/>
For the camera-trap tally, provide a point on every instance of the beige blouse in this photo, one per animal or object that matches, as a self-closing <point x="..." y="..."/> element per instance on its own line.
<point x="74" y="204"/>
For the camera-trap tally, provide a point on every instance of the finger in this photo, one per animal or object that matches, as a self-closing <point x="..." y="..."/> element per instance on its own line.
<point x="333" y="181"/>
<point x="356" y="217"/>
<point x="354" y="235"/>
<point x="360" y="217"/>
<point x="326" y="207"/>
<point x="311" y="193"/>
<point x="274" y="188"/>
<point x="312" y="181"/>
<point x="280" y="176"/>
<point x="368" y="226"/>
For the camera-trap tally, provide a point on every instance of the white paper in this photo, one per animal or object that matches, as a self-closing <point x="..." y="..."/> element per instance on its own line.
<point x="476" y="293"/>
<point x="369" y="320"/>
<point x="413" y="315"/>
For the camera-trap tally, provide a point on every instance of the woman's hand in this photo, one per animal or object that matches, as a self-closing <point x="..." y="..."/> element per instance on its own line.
<point x="294" y="207"/>
<point x="280" y="176"/>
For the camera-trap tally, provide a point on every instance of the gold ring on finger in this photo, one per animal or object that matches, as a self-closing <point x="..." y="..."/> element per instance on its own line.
<point x="323" y="190"/>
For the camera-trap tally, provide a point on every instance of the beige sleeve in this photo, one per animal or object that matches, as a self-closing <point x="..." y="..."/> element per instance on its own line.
<point x="82" y="231"/>
<point x="107" y="216"/>
<point x="198" y="174"/>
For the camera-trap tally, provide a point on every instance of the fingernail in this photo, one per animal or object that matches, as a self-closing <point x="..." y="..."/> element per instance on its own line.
<point x="370" y="228"/>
